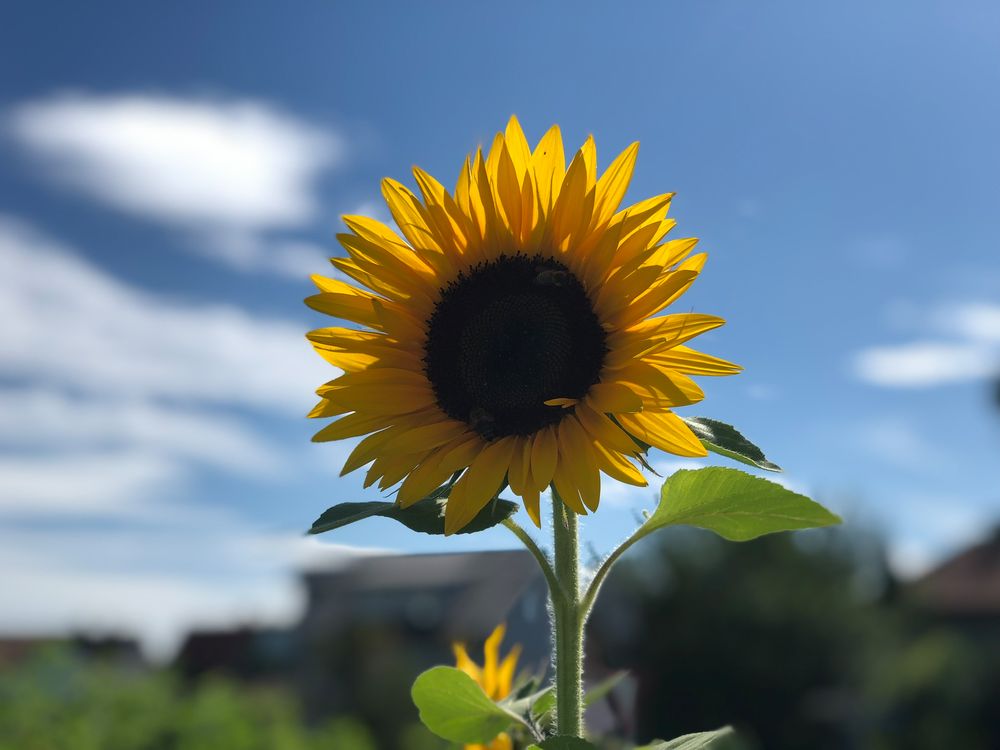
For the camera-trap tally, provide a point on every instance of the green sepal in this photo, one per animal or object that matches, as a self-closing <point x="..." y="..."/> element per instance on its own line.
<point x="735" y="505"/>
<point x="454" y="707"/>
<point x="425" y="516"/>
<point x="700" y="741"/>
<point x="727" y="441"/>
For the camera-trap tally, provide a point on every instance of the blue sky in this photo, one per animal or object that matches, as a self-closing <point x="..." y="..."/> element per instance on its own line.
<point x="169" y="178"/>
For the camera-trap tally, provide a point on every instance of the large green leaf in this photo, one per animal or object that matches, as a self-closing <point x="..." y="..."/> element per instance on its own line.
<point x="455" y="708"/>
<point x="425" y="516"/>
<point x="727" y="441"/>
<point x="733" y="504"/>
<point x="563" y="743"/>
<point x="699" y="741"/>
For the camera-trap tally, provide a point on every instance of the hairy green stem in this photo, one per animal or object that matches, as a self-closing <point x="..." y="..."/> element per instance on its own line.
<point x="568" y="614"/>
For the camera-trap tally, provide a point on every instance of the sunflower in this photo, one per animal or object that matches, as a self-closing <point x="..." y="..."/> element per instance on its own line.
<point x="508" y="337"/>
<point x="495" y="677"/>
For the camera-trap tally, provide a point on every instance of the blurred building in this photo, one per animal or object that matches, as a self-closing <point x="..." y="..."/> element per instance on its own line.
<point x="964" y="590"/>
<point x="372" y="626"/>
<point x="119" y="650"/>
<point x="252" y="654"/>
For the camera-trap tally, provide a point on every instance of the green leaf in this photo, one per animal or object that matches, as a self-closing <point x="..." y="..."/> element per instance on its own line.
<point x="727" y="441"/>
<point x="425" y="516"/>
<point x="699" y="741"/>
<point x="455" y="708"/>
<point x="536" y="703"/>
<point x="563" y="743"/>
<point x="733" y="504"/>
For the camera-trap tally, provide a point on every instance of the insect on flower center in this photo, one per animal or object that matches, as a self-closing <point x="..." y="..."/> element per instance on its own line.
<point x="508" y="335"/>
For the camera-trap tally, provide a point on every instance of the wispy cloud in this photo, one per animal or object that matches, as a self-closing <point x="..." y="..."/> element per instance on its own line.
<point x="967" y="348"/>
<point x="228" y="171"/>
<point x="68" y="323"/>
<point x="128" y="389"/>
<point x="119" y="484"/>
<point x="129" y="581"/>
<point x="46" y="418"/>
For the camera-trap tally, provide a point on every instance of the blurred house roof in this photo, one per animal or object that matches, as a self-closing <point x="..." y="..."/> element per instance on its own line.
<point x="461" y="595"/>
<point x="966" y="584"/>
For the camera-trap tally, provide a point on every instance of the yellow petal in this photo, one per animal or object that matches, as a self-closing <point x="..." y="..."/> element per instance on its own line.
<point x="614" y="398"/>
<point x="618" y="467"/>
<point x="410" y="215"/>
<point x="352" y="425"/>
<point x="544" y="457"/>
<point x="665" y="431"/>
<point x="517" y="144"/>
<point x="576" y="453"/>
<point x="691" y="362"/>
<point x="438" y="468"/>
<point x="563" y="402"/>
<point x="491" y="661"/>
<point x="566" y="488"/>
<point x="505" y="673"/>
<point x="509" y="191"/>
<point x="452" y="225"/>
<point x="520" y="465"/>
<point x="532" y="497"/>
<point x="603" y="430"/>
<point x="574" y="205"/>
<point x="429" y="436"/>
<point x="675" y="328"/>
<point x="668" y="288"/>
<point x="613" y="184"/>
<point x="548" y="162"/>
<point x="478" y="485"/>
<point x="589" y="152"/>
<point x="377" y="399"/>
<point x="465" y="663"/>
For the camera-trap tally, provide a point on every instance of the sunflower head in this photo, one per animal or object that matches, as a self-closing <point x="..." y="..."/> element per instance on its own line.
<point x="510" y="335"/>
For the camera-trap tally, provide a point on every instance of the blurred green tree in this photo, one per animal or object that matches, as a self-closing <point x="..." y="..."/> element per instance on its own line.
<point x="59" y="702"/>
<point x="773" y="636"/>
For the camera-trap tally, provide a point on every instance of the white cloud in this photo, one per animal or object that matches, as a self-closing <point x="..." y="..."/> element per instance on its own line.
<point x="219" y="168"/>
<point x="967" y="346"/>
<point x="246" y="251"/>
<point x="110" y="483"/>
<point x="922" y="364"/>
<point x="186" y="161"/>
<point x="127" y="388"/>
<point x="976" y="321"/>
<point x="35" y="418"/>
<point x="130" y="581"/>
<point x="111" y="399"/>
<point x="69" y="323"/>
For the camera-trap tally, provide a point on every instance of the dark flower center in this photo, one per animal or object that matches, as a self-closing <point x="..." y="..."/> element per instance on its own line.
<point x="507" y="336"/>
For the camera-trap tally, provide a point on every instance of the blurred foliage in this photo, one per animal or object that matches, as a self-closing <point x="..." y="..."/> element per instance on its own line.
<point x="801" y="641"/>
<point x="58" y="702"/>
